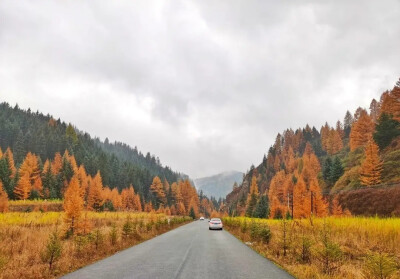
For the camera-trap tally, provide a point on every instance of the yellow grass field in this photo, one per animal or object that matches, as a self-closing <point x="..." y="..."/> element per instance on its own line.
<point x="24" y="238"/>
<point x="348" y="247"/>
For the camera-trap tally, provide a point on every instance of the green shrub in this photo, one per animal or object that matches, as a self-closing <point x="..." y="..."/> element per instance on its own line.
<point x="53" y="250"/>
<point x="113" y="235"/>
<point x="379" y="266"/>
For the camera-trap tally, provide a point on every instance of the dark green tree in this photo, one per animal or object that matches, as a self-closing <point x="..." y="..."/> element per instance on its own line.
<point x="262" y="207"/>
<point x="5" y="177"/>
<point x="192" y="213"/>
<point x="337" y="170"/>
<point x="386" y="130"/>
<point x="326" y="172"/>
<point x="251" y="206"/>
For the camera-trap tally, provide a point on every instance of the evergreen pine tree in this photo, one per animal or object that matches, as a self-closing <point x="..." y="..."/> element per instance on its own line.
<point x="326" y="173"/>
<point x="192" y="213"/>
<point x="262" y="208"/>
<point x="386" y="130"/>
<point x="337" y="170"/>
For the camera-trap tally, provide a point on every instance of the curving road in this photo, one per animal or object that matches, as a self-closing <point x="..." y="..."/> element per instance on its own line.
<point x="190" y="251"/>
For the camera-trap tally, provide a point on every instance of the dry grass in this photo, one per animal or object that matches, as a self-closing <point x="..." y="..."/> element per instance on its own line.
<point x="24" y="237"/>
<point x="35" y="205"/>
<point x="353" y="239"/>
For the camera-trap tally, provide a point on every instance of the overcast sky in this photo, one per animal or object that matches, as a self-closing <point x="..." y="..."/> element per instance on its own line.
<point x="204" y="85"/>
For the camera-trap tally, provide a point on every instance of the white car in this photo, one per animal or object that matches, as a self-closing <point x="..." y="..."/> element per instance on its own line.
<point x="201" y="218"/>
<point x="215" y="224"/>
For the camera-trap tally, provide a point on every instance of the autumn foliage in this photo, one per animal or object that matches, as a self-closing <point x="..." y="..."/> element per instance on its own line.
<point x="73" y="204"/>
<point x="371" y="167"/>
<point x="3" y="199"/>
<point x="305" y="170"/>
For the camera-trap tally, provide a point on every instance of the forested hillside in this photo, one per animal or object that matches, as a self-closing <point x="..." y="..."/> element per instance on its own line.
<point x="120" y="165"/>
<point x="351" y="167"/>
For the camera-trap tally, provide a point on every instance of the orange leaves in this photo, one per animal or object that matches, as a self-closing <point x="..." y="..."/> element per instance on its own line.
<point x="361" y="131"/>
<point x="23" y="188"/>
<point x="73" y="203"/>
<point x="298" y="189"/>
<point x="331" y="139"/>
<point x="188" y="192"/>
<point x="56" y="164"/>
<point x="371" y="167"/>
<point x="10" y="159"/>
<point x="277" y="194"/>
<point x="301" y="200"/>
<point x="30" y="168"/>
<point x="3" y="199"/>
<point x="130" y="200"/>
<point x="157" y="189"/>
<point x="390" y="102"/>
<point x="336" y="209"/>
<point x="95" y="196"/>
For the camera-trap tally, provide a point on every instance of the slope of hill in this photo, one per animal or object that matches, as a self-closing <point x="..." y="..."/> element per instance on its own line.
<point x="309" y="171"/>
<point x="218" y="185"/>
<point x="119" y="164"/>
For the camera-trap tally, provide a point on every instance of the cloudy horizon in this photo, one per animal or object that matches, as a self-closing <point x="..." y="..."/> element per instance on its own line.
<point x="205" y="86"/>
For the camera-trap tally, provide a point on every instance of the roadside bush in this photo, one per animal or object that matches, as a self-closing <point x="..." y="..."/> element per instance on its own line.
<point x="97" y="238"/>
<point x="113" y="235"/>
<point x="379" y="266"/>
<point x="243" y="226"/>
<point x="330" y="254"/>
<point x="53" y="250"/>
<point x="127" y="229"/>
<point x="260" y="232"/>
<point x="265" y="234"/>
<point x="305" y="250"/>
<point x="80" y="242"/>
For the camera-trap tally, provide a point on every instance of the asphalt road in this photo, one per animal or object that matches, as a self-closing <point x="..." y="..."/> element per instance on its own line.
<point x="190" y="251"/>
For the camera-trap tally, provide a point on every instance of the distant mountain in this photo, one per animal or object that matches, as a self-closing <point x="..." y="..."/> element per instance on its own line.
<point x="218" y="185"/>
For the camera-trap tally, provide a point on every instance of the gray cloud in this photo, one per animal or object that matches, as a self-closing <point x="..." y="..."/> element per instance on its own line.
<point x="204" y="85"/>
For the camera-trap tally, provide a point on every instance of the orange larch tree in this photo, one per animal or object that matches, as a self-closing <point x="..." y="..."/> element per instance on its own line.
<point x="137" y="203"/>
<point x="83" y="181"/>
<point x="23" y="188"/>
<point x="325" y="136"/>
<point x="340" y="129"/>
<point x="396" y="100"/>
<point x="390" y="102"/>
<point x="301" y="199"/>
<point x="73" y="204"/>
<point x="371" y="167"/>
<point x="374" y="110"/>
<point x="148" y="207"/>
<point x="319" y="205"/>
<point x="10" y="159"/>
<point x="95" y="198"/>
<point x="3" y="199"/>
<point x="30" y="167"/>
<point x="173" y="210"/>
<point x="187" y="192"/>
<point x="361" y="130"/>
<point x="57" y="163"/>
<point x="157" y="189"/>
<point x="116" y="199"/>
<point x="336" y="209"/>
<point x="277" y="195"/>
<point x="180" y="209"/>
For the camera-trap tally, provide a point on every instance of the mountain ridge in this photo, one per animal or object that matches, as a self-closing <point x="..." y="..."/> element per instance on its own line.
<point x="218" y="185"/>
